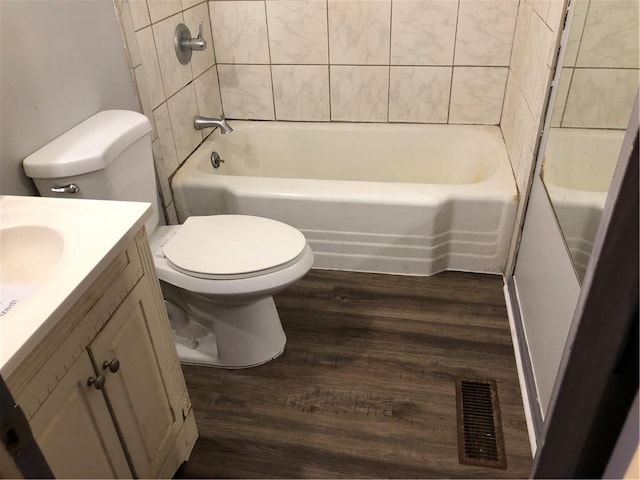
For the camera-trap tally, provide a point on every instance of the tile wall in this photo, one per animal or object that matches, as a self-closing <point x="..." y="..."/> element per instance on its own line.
<point x="170" y="93"/>
<point x="600" y="72"/>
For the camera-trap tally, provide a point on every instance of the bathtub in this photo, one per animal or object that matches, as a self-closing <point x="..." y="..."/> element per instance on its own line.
<point x="577" y="170"/>
<point x="387" y="198"/>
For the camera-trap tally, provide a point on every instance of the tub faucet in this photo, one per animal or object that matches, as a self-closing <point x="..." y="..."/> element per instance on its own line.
<point x="205" y="122"/>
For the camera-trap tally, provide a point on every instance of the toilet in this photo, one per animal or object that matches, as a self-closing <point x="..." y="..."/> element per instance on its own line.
<point x="218" y="273"/>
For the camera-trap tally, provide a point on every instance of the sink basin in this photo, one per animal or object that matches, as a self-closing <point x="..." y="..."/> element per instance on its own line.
<point x="28" y="254"/>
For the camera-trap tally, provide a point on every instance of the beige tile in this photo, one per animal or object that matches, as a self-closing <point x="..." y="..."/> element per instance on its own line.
<point x="359" y="93"/>
<point x="126" y="24"/>
<point x="537" y="73"/>
<point x="298" y="31"/>
<point x="359" y="32"/>
<point x="139" y="14"/>
<point x="246" y="91"/>
<point x="201" y="60"/>
<point x="166" y="156"/>
<point x="555" y="16"/>
<point x="183" y="107"/>
<point x="208" y="96"/>
<point x="485" y="32"/>
<point x="143" y="96"/>
<point x="519" y="50"/>
<point x="152" y="76"/>
<point x="600" y="98"/>
<point x="174" y="74"/>
<point x="161" y="9"/>
<point x="477" y="94"/>
<point x="575" y="34"/>
<point x="561" y="97"/>
<point x="513" y="122"/>
<point x="239" y="31"/>
<point x="191" y="3"/>
<point x="540" y="8"/>
<point x="423" y="32"/>
<point x="301" y="92"/>
<point x="419" y="94"/>
<point x="171" y="215"/>
<point x="610" y="37"/>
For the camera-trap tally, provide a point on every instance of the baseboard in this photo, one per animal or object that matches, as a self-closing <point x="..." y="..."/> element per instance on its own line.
<point x="532" y="410"/>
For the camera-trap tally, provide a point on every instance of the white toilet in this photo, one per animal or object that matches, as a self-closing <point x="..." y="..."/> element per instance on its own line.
<point x="218" y="273"/>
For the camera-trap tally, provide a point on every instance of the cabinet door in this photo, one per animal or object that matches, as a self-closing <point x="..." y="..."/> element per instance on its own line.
<point x="74" y="429"/>
<point x="141" y="394"/>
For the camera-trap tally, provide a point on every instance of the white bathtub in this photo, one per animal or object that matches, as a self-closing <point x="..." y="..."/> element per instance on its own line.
<point x="389" y="198"/>
<point x="577" y="170"/>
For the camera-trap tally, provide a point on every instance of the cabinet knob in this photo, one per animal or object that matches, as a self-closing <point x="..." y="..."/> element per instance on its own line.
<point x="97" y="383"/>
<point x="113" y="365"/>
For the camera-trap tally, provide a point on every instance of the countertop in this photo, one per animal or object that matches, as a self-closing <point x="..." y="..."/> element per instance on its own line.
<point x="94" y="231"/>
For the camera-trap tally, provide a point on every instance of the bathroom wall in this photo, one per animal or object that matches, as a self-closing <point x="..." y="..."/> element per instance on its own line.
<point x="427" y="61"/>
<point x="171" y="93"/>
<point x="602" y="51"/>
<point x="60" y="62"/>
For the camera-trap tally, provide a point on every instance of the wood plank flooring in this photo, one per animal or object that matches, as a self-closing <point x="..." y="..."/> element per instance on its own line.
<point x="365" y="387"/>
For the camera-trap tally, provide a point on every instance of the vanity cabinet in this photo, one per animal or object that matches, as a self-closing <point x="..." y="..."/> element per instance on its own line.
<point x="104" y="393"/>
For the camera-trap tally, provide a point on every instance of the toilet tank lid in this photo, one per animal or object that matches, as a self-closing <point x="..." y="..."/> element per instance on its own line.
<point x="89" y="146"/>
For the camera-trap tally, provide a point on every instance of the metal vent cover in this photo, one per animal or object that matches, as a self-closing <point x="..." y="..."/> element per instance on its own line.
<point x="480" y="437"/>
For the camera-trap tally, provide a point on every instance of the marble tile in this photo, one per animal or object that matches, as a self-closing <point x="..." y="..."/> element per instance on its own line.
<point x="246" y="91"/>
<point x="419" y="94"/>
<point x="161" y="9"/>
<point x="359" y="93"/>
<point x="485" y="32"/>
<point x="610" y="37"/>
<point x="359" y="32"/>
<point x="239" y="31"/>
<point x="174" y="74"/>
<point x="208" y="96"/>
<point x="600" y="98"/>
<point x="298" y="31"/>
<point x="540" y="8"/>
<point x="204" y="59"/>
<point x="537" y="73"/>
<point x="561" y="97"/>
<point x="301" y="92"/>
<point x="575" y="34"/>
<point x="166" y="156"/>
<point x="191" y="3"/>
<point x="144" y="97"/>
<point x="139" y="14"/>
<point x="514" y="123"/>
<point x="151" y="65"/>
<point x="519" y="49"/>
<point x="423" y="32"/>
<point x="183" y="107"/>
<point x="555" y="16"/>
<point x="163" y="170"/>
<point x="126" y="25"/>
<point x="477" y="94"/>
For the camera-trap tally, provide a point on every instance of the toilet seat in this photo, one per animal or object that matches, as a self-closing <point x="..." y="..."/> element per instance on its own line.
<point x="223" y="247"/>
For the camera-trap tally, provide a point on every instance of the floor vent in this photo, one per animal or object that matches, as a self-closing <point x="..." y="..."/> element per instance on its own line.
<point x="480" y="439"/>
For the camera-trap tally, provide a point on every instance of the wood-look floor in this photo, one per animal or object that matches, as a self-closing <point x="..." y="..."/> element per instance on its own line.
<point x="365" y="387"/>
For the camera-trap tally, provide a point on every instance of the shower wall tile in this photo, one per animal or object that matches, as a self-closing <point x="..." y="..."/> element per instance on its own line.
<point x="561" y="97"/>
<point x="152" y="74"/>
<point x="161" y="9"/>
<point x="519" y="49"/>
<point x="419" y="94"/>
<point x="537" y="71"/>
<point x="485" y="32"/>
<point x="423" y="32"/>
<point x="171" y="214"/>
<point x="298" y="31"/>
<point x="174" y="74"/>
<point x="301" y="92"/>
<point x="593" y="103"/>
<point x="143" y="95"/>
<point x="610" y="37"/>
<point x="164" y="170"/>
<point x="477" y="95"/>
<point x="246" y="91"/>
<point x="183" y="107"/>
<point x="168" y="163"/>
<point x="208" y="95"/>
<point x="204" y="59"/>
<point x="356" y="93"/>
<point x="186" y="4"/>
<point x="131" y="45"/>
<point x="240" y="31"/>
<point x="575" y="34"/>
<point x="359" y="32"/>
<point x="139" y="14"/>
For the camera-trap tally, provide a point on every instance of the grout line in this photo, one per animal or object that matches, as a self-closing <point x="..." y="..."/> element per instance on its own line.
<point x="329" y="62"/>
<point x="273" y="93"/>
<point x="453" y="61"/>
<point x="389" y="73"/>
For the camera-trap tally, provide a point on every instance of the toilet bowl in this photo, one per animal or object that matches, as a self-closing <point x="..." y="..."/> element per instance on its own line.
<point x="219" y="288"/>
<point x="218" y="273"/>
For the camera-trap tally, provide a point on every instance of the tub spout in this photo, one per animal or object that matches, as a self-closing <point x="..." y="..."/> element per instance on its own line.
<point x="205" y="122"/>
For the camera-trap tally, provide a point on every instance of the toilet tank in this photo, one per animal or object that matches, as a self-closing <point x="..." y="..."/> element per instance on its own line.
<point x="108" y="157"/>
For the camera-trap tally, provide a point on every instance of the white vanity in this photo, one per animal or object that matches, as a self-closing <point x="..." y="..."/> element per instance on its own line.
<point x="85" y="343"/>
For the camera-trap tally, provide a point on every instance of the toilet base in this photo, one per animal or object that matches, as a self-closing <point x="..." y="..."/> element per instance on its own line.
<point x="235" y="336"/>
